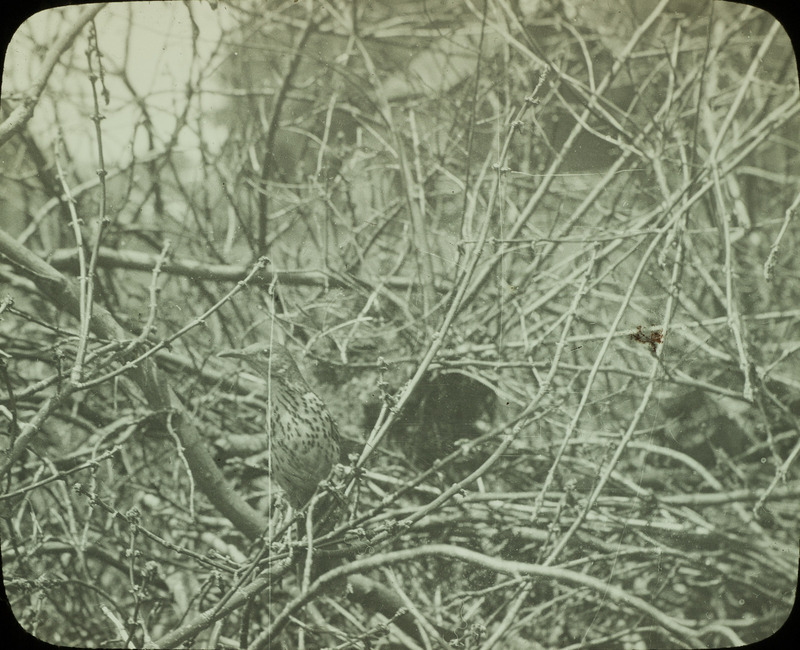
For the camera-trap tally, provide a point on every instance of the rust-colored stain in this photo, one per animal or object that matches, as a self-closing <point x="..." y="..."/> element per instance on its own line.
<point x="652" y="339"/>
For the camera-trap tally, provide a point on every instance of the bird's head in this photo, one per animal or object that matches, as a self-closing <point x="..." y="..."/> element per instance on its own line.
<point x="271" y="361"/>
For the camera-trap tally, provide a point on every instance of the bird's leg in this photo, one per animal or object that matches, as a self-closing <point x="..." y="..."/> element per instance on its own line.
<point x="334" y="504"/>
<point x="288" y="520"/>
<point x="281" y="517"/>
<point x="309" y="518"/>
<point x="336" y="492"/>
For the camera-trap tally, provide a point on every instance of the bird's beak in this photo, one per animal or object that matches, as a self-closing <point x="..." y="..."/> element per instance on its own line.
<point x="231" y="353"/>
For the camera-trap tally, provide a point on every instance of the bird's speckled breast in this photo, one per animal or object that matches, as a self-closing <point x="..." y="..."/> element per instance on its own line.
<point x="304" y="442"/>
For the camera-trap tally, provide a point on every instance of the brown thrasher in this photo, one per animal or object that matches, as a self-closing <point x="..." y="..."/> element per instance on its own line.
<point x="303" y="437"/>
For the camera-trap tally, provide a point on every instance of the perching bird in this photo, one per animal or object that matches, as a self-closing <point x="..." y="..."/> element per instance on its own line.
<point x="303" y="437"/>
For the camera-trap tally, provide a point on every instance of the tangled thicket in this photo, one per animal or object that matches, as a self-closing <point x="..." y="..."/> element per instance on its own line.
<point x="537" y="259"/>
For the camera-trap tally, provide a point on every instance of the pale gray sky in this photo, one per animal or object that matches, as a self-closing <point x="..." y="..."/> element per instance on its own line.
<point x="151" y="40"/>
